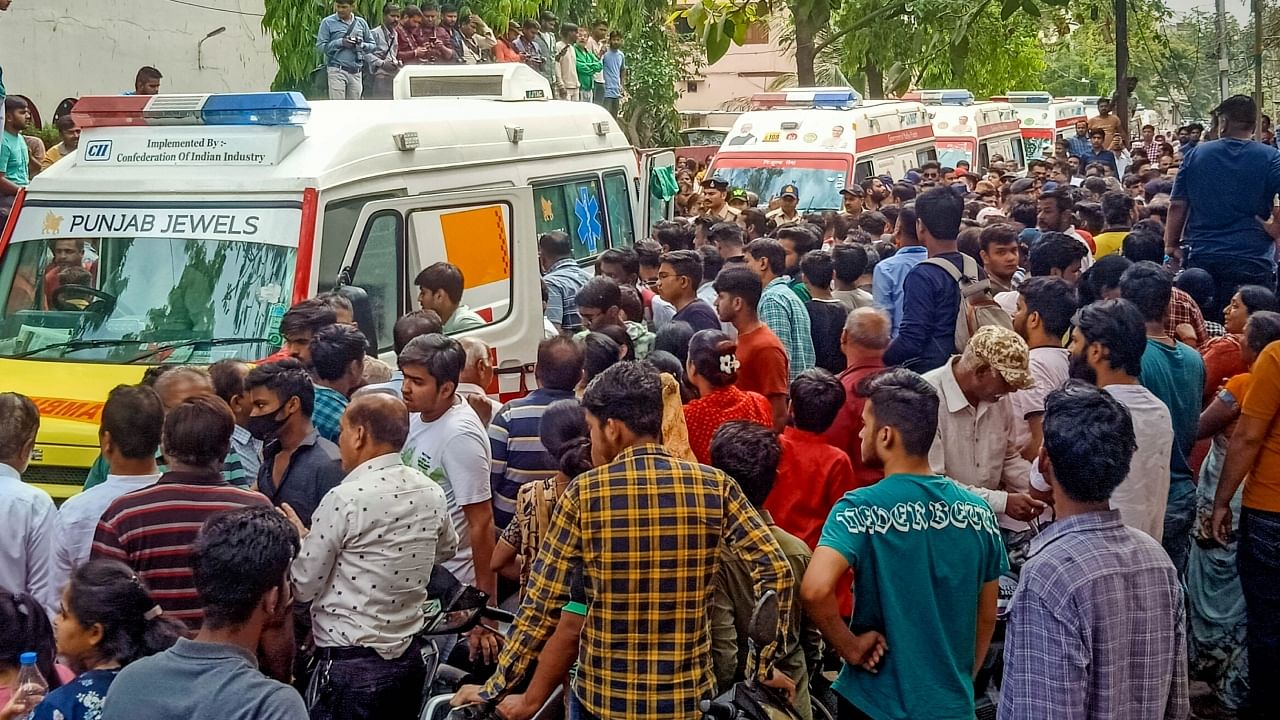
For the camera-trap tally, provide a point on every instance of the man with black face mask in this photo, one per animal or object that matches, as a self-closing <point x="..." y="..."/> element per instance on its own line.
<point x="1106" y="350"/>
<point x="298" y="466"/>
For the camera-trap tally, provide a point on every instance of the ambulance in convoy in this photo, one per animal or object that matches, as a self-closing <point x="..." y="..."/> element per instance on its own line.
<point x="972" y="131"/>
<point x="1045" y="120"/>
<point x="185" y="225"/>
<point x="821" y="139"/>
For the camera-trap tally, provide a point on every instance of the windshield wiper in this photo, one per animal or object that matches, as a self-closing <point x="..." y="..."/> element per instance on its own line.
<point x="198" y="344"/>
<point x="75" y="345"/>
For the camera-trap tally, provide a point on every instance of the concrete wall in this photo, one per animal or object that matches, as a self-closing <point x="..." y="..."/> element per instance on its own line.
<point x="743" y="71"/>
<point x="52" y="49"/>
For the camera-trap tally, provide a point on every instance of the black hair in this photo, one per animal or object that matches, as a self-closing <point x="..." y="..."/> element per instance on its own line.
<point x="198" y="432"/>
<point x="906" y="402"/>
<point x="1117" y="208"/>
<point x="686" y="263"/>
<point x="227" y="376"/>
<point x="849" y="261"/>
<point x="1198" y="283"/>
<point x="1102" y="276"/>
<point x="1053" y="299"/>
<point x="755" y="219"/>
<point x="725" y="232"/>
<point x="24" y="627"/>
<point x="1022" y="210"/>
<point x="560" y="362"/>
<point x="1262" y="329"/>
<point x="154" y="373"/>
<point x="770" y="250"/>
<point x="665" y="362"/>
<point x="802" y="238"/>
<point x="285" y="379"/>
<point x="631" y="304"/>
<point x="1088" y="436"/>
<point x="1149" y="287"/>
<point x="903" y="193"/>
<point x="566" y="437"/>
<point x="675" y="236"/>
<point x="940" y="211"/>
<point x="146" y="72"/>
<point x="674" y="338"/>
<point x="337" y="301"/>
<point x="1001" y="233"/>
<point x="239" y="556"/>
<point x="625" y="257"/>
<point x="969" y="242"/>
<point x="873" y="222"/>
<point x="134" y="416"/>
<point x="749" y="453"/>
<point x="818" y="268"/>
<point x="442" y="276"/>
<point x="556" y="244"/>
<point x="307" y="316"/>
<point x="741" y="282"/>
<point x="648" y="253"/>
<point x="1257" y="297"/>
<point x="390" y="429"/>
<point x="1089" y="216"/>
<point x="1143" y="246"/>
<point x="816" y="399"/>
<point x="108" y="593"/>
<point x="629" y="392"/>
<point x="712" y="263"/>
<point x="1239" y="110"/>
<point x="415" y="324"/>
<point x="1054" y="251"/>
<point x="1116" y="325"/>
<point x="707" y="349"/>
<point x="441" y="356"/>
<point x="619" y="334"/>
<point x="13" y="103"/>
<point x="334" y="348"/>
<point x="599" y="353"/>
<point x="600" y="292"/>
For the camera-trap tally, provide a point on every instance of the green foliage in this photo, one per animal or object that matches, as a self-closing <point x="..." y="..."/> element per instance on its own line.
<point x="654" y="68"/>
<point x="48" y="134"/>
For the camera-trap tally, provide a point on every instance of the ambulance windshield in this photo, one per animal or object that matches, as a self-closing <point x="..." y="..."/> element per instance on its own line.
<point x="141" y="299"/>
<point x="819" y="180"/>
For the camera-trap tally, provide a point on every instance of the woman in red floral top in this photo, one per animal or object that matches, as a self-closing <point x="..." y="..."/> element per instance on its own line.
<point x="713" y="370"/>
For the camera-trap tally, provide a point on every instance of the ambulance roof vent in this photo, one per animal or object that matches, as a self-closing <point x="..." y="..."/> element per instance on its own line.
<point x="498" y="81"/>
<point x="945" y="97"/>
<point x="1030" y="97"/>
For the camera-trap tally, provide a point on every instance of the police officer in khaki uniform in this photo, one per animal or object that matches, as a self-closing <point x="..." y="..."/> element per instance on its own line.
<point x="786" y="213"/>
<point x="715" y="194"/>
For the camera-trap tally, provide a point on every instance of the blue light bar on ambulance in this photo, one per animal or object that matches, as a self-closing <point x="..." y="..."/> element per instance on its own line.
<point x="946" y="97"/>
<point x="265" y="108"/>
<point x="1030" y="97"/>
<point x="808" y="98"/>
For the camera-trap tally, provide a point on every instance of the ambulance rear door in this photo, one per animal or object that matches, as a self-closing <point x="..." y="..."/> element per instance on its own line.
<point x="653" y="206"/>
<point x="489" y="235"/>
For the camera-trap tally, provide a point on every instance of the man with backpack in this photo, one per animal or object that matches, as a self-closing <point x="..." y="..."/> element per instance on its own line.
<point x="935" y="325"/>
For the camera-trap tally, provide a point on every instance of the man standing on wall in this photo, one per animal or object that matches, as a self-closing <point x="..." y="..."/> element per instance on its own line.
<point x="344" y="38"/>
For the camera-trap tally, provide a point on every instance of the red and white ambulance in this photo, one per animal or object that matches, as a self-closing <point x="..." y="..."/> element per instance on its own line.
<point x="972" y="131"/>
<point x="1045" y="120"/>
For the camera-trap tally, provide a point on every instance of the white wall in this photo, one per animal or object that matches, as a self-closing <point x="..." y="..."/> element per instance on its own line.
<point x="52" y="49"/>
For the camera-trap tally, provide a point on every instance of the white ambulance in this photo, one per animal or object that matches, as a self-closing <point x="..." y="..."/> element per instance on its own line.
<point x="821" y="139"/>
<point x="1045" y="120"/>
<point x="973" y="131"/>
<point x="201" y="218"/>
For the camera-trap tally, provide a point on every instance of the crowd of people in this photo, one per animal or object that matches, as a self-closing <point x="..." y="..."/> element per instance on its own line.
<point x="579" y="62"/>
<point x="877" y="414"/>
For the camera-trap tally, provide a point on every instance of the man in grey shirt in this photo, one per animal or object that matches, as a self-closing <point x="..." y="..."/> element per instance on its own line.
<point x="240" y="563"/>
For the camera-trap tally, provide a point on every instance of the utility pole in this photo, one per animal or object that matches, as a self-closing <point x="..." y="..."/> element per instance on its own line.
<point x="1257" y="65"/>
<point x="1122" y="67"/>
<point x="1224" y="60"/>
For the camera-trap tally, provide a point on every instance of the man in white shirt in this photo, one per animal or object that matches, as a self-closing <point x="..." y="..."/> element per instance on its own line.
<point x="975" y="443"/>
<point x="475" y="378"/>
<point x="1106" y="349"/>
<point x="365" y="564"/>
<point x="26" y="545"/>
<point x="128" y="435"/>
<point x="448" y="443"/>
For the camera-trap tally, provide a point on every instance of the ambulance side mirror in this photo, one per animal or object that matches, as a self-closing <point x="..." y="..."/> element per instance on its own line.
<point x="362" y="311"/>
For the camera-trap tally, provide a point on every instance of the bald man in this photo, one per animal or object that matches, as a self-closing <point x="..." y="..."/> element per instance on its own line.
<point x="863" y="342"/>
<point x="385" y="525"/>
<point x="477" y="374"/>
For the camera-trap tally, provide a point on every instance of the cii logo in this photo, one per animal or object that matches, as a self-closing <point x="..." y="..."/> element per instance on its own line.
<point x="97" y="150"/>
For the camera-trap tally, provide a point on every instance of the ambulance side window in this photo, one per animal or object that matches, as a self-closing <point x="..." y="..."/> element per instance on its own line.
<point x="924" y="156"/>
<point x="377" y="269"/>
<point x="574" y="207"/>
<point x="617" y="203"/>
<point x="862" y="171"/>
<point x="340" y="218"/>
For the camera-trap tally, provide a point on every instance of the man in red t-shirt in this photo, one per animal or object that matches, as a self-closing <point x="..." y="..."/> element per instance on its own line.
<point x="762" y="358"/>
<point x="865" y="337"/>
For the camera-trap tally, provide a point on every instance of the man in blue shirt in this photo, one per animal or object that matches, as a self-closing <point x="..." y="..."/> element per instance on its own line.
<point x="1173" y="372"/>
<point x="344" y="38"/>
<point x="888" y="274"/>
<point x="1222" y="198"/>
<point x="1097" y="153"/>
<point x="1078" y="144"/>
<point x="930" y="297"/>
<point x="615" y="73"/>
<point x="14" y="171"/>
<point x="563" y="278"/>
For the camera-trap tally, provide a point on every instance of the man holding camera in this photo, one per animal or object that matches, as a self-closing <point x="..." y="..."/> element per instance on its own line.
<point x="344" y="38"/>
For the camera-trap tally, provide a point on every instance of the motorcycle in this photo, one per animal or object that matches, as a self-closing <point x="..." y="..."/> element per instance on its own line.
<point x="750" y="699"/>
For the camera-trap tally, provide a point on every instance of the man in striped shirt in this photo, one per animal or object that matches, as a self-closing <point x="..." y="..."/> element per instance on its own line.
<point x="152" y="529"/>
<point x="514" y="440"/>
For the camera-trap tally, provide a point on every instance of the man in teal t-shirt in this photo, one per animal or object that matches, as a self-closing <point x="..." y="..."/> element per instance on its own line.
<point x="926" y="556"/>
<point x="13" y="149"/>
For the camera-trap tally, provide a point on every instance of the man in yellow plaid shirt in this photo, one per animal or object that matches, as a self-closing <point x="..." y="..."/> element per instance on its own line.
<point x="645" y="531"/>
